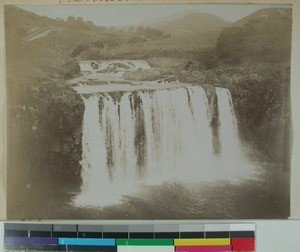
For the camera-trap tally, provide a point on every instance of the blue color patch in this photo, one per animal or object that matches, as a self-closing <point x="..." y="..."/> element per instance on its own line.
<point x="86" y="241"/>
<point x="30" y="240"/>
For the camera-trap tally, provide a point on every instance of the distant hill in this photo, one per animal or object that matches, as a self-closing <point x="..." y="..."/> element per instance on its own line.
<point x="28" y="26"/>
<point x="263" y="35"/>
<point x="156" y="21"/>
<point x="195" y="22"/>
<point x="266" y="32"/>
<point x="47" y="44"/>
<point x="28" y="43"/>
<point x="265" y="14"/>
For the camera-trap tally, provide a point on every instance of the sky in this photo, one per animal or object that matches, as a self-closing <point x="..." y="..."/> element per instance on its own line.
<point x="127" y="15"/>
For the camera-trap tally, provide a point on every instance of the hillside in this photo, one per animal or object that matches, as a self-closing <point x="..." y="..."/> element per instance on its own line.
<point x="50" y="43"/>
<point x="262" y="15"/>
<point x="169" y="18"/>
<point x="61" y="42"/>
<point x="41" y="108"/>
<point x="264" y="35"/>
<point x="196" y="22"/>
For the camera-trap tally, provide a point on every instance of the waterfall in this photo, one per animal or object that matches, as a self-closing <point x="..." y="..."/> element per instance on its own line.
<point x="228" y="125"/>
<point x="231" y="149"/>
<point x="151" y="136"/>
<point x="93" y="152"/>
<point x="94" y="149"/>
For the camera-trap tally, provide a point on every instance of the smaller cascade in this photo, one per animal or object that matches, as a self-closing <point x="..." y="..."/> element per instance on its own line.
<point x="233" y="159"/>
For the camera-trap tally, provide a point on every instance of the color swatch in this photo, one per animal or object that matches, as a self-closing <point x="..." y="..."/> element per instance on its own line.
<point x="130" y="238"/>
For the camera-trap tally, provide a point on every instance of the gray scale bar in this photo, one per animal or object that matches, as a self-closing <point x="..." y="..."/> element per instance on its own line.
<point x="16" y="226"/>
<point x="116" y="229"/>
<point x="90" y="228"/>
<point x="131" y="228"/>
<point x="40" y="227"/>
<point x="141" y="228"/>
<point x="64" y="228"/>
<point x="166" y="228"/>
<point x="216" y="227"/>
<point x="191" y="228"/>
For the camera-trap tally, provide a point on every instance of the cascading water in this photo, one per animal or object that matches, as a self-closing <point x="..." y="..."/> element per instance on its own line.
<point x="231" y="149"/>
<point x="228" y="125"/>
<point x="151" y="136"/>
<point x="93" y="152"/>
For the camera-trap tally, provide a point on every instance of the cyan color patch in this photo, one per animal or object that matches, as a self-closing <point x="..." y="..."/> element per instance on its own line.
<point x="86" y="241"/>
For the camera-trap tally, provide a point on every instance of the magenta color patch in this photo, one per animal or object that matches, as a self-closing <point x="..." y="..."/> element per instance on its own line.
<point x="203" y="248"/>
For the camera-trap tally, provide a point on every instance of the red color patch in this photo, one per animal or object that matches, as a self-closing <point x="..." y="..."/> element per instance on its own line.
<point x="243" y="244"/>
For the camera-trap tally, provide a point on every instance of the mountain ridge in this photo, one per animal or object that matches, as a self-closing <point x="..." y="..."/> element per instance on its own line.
<point x="263" y="14"/>
<point x="199" y="22"/>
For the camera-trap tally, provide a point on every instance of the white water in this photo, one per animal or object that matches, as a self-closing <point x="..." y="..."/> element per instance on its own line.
<point x="228" y="125"/>
<point x="154" y="136"/>
<point x="87" y="65"/>
<point x="93" y="153"/>
<point x="232" y="156"/>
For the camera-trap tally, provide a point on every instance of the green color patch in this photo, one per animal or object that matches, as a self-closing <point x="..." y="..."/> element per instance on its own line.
<point x="144" y="242"/>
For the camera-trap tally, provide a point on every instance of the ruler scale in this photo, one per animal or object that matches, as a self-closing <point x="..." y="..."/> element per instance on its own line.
<point x="130" y="238"/>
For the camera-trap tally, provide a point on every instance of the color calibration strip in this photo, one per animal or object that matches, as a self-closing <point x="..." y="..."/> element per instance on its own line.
<point x="130" y="238"/>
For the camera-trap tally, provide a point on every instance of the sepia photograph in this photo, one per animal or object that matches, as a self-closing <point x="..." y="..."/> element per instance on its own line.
<point x="148" y="111"/>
